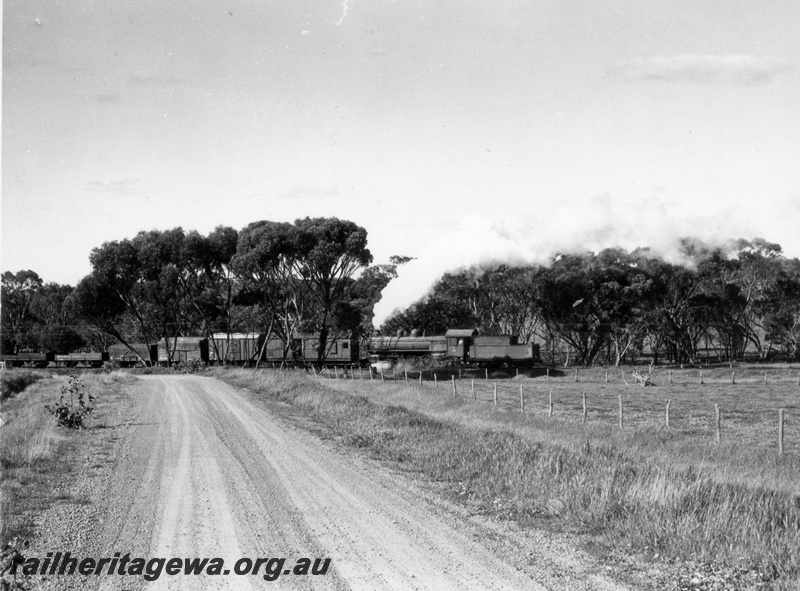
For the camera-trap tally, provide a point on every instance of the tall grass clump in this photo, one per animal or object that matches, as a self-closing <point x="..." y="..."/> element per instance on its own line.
<point x="621" y="500"/>
<point x="34" y="452"/>
<point x="14" y="381"/>
<point x="28" y="439"/>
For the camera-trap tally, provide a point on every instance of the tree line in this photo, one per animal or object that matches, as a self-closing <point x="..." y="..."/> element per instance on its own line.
<point x="614" y="305"/>
<point x="315" y="276"/>
<point x="270" y="277"/>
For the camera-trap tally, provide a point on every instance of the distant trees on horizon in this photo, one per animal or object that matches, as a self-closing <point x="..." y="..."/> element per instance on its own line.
<point x="316" y="276"/>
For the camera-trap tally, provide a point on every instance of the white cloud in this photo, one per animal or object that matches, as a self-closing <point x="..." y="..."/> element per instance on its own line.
<point x="119" y="188"/>
<point x="741" y="70"/>
<point x="296" y="193"/>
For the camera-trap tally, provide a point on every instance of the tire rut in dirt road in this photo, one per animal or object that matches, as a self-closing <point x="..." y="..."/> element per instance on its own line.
<point x="207" y="473"/>
<point x="377" y="537"/>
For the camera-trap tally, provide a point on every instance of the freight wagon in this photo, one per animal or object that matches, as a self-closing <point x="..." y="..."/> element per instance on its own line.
<point x="44" y="360"/>
<point x="39" y="360"/>
<point x="182" y="350"/>
<point x="80" y="359"/>
<point x="123" y="355"/>
<point x="245" y="349"/>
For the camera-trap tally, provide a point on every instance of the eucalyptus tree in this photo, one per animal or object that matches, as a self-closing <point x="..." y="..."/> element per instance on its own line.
<point x="144" y="278"/>
<point x="264" y="262"/>
<point x="759" y="268"/>
<point x="18" y="292"/>
<point x="207" y="279"/>
<point x="329" y="252"/>
<point x="780" y="309"/>
<point x="368" y="288"/>
<point x="573" y="307"/>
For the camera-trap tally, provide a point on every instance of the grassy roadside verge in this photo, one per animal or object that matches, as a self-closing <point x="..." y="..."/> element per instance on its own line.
<point x="746" y="534"/>
<point x="37" y="458"/>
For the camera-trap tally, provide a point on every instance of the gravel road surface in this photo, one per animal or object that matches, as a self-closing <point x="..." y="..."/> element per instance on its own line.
<point x="200" y="470"/>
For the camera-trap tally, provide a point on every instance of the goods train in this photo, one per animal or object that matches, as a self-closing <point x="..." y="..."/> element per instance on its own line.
<point x="456" y="347"/>
<point x="42" y="360"/>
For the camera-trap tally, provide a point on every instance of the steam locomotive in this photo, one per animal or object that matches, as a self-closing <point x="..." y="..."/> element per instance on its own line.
<point x="457" y="347"/>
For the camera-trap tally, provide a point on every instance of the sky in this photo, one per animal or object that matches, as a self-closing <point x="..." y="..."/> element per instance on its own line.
<point x="452" y="131"/>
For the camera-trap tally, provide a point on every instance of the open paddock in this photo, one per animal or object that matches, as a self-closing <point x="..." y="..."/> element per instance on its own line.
<point x="552" y="407"/>
<point x="672" y="496"/>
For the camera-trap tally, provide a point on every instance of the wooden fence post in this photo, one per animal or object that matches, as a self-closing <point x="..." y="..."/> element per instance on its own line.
<point x="314" y="369"/>
<point x="521" y="401"/>
<point x="495" y="393"/>
<point x="548" y="375"/>
<point x="435" y="381"/>
<point x="701" y="376"/>
<point x="474" y="396"/>
<point x="670" y="376"/>
<point x="666" y="414"/>
<point x="576" y="374"/>
<point x="606" y="376"/>
<point x="420" y="380"/>
<point x="382" y="378"/>
<point x="453" y="377"/>
<point x="336" y="370"/>
<point x="765" y="378"/>
<point x="733" y="377"/>
<point x="370" y="373"/>
<point x="583" y="420"/>
<point x="780" y="432"/>
<point x="550" y="410"/>
<point x="718" y="423"/>
<point x="620" y="413"/>
<point x="486" y="372"/>
<point x="405" y="377"/>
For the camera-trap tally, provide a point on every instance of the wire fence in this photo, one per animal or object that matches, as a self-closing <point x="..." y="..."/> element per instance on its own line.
<point x="745" y="407"/>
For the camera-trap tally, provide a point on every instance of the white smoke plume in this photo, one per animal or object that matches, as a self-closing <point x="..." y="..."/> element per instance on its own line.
<point x="572" y="228"/>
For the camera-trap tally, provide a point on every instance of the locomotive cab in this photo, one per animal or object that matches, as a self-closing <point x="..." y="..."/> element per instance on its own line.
<point x="459" y="343"/>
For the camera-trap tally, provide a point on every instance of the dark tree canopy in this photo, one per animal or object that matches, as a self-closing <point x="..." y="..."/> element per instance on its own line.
<point x="315" y="276"/>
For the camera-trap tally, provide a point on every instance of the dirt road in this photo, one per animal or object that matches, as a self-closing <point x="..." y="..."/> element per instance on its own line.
<point x="202" y="471"/>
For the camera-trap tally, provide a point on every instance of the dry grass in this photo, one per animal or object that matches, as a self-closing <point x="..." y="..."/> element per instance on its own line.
<point x="12" y="382"/>
<point x="672" y="494"/>
<point x="35" y="454"/>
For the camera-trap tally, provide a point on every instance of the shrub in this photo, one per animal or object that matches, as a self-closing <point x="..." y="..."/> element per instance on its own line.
<point x="67" y="414"/>
<point x="113" y="365"/>
<point x="189" y="366"/>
